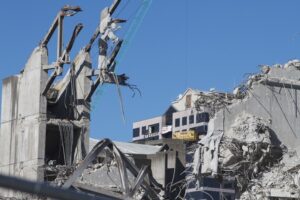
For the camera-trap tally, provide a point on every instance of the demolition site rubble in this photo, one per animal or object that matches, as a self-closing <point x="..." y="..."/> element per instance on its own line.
<point x="253" y="135"/>
<point x="245" y="143"/>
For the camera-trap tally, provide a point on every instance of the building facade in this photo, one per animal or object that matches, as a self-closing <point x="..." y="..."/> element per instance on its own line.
<point x="180" y="121"/>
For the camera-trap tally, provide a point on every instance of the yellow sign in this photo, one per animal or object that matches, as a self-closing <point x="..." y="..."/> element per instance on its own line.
<point x="186" y="136"/>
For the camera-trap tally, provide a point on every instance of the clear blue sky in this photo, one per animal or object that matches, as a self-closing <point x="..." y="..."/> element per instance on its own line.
<point x="179" y="44"/>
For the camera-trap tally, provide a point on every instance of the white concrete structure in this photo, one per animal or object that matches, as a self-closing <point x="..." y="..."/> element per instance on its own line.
<point x="180" y="116"/>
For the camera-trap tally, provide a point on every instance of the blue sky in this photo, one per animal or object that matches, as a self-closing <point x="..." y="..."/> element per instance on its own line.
<point x="179" y="44"/>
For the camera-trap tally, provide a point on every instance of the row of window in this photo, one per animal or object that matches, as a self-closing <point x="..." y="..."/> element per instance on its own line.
<point x="200" y="117"/>
<point x="154" y="128"/>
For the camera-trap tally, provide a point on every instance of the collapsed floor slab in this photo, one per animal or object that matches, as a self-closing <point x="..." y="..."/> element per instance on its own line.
<point x="249" y="133"/>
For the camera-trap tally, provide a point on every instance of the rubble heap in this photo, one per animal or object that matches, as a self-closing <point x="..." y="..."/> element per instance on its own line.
<point x="213" y="100"/>
<point x="248" y="150"/>
<point x="279" y="180"/>
<point x="253" y="134"/>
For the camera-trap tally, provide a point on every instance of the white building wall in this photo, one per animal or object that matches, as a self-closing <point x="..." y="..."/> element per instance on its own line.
<point x="188" y="126"/>
<point x="147" y="123"/>
<point x="180" y="103"/>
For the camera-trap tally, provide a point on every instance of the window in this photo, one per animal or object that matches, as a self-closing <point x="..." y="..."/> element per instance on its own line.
<point x="211" y="182"/>
<point x="177" y="122"/>
<point x="228" y="185"/>
<point x="154" y="128"/>
<point x="202" y="117"/>
<point x="188" y="101"/>
<point x="191" y="119"/>
<point x="201" y="129"/>
<point x="144" y="130"/>
<point x="228" y="196"/>
<point x="184" y="121"/>
<point x="136" y="132"/>
<point x="152" y="138"/>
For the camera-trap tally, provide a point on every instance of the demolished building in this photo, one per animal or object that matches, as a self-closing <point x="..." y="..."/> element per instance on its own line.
<point x="251" y="147"/>
<point x="211" y="145"/>
<point x="45" y="122"/>
<point x="254" y="136"/>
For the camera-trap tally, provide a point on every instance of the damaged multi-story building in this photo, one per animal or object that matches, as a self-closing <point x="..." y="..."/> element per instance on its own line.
<point x="250" y="147"/>
<point x="181" y="119"/>
<point x="253" y="136"/>
<point x="206" y="145"/>
<point x="186" y="122"/>
<point x="45" y="126"/>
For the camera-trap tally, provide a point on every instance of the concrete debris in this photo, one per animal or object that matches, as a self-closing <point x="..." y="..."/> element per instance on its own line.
<point x="292" y="64"/>
<point x="265" y="69"/>
<point x="253" y="135"/>
<point x="46" y="115"/>
<point x="249" y="128"/>
<point x="275" y="180"/>
<point x="108" y="174"/>
<point x="247" y="150"/>
<point x="58" y="174"/>
<point x="244" y="152"/>
<point x="119" y="175"/>
<point x="213" y="100"/>
<point x="209" y="148"/>
<point x="132" y="148"/>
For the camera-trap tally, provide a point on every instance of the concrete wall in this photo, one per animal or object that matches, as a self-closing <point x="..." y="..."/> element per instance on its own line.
<point x="83" y="83"/>
<point x="278" y="103"/>
<point x="180" y="103"/>
<point x="159" y="167"/>
<point x="186" y="113"/>
<point x="148" y="123"/>
<point x="23" y="120"/>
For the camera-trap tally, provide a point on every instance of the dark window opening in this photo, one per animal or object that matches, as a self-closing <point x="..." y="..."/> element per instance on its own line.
<point x="154" y="128"/>
<point x="210" y="182"/>
<point x="169" y="116"/>
<point x="202" y="117"/>
<point x="60" y="151"/>
<point x="191" y="119"/>
<point x="177" y="122"/>
<point x="152" y="138"/>
<point x="201" y="129"/>
<point x="136" y="132"/>
<point x="228" y="196"/>
<point x="184" y="121"/>
<point x="144" y="130"/>
<point x="167" y="135"/>
<point x="188" y="101"/>
<point x="228" y="185"/>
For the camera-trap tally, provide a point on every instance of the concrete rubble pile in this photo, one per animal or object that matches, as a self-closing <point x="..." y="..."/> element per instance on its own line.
<point x="106" y="170"/>
<point x="46" y="117"/>
<point x="272" y="181"/>
<point x="247" y="150"/>
<point x="253" y="135"/>
<point x="213" y="100"/>
<point x="58" y="174"/>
